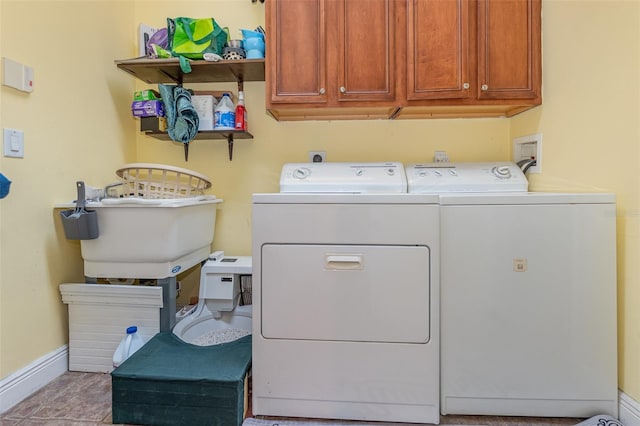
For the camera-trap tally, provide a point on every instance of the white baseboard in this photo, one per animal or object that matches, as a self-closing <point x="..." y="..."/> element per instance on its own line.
<point x="23" y="383"/>
<point x="629" y="410"/>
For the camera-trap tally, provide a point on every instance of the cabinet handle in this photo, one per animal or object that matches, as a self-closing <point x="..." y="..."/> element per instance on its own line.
<point x="322" y="91"/>
<point x="465" y="86"/>
<point x="484" y="87"/>
<point x="342" y="89"/>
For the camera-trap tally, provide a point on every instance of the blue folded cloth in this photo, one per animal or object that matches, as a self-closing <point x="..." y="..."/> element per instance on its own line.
<point x="182" y="118"/>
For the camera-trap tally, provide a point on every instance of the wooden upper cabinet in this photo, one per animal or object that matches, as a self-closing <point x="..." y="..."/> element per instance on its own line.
<point x="296" y="59"/>
<point x="509" y="50"/>
<point x="472" y="58"/>
<point x="438" y="50"/>
<point x="364" y="42"/>
<point x="340" y="59"/>
<point x="332" y="59"/>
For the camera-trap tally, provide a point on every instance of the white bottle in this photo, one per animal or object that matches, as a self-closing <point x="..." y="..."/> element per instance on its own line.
<point x="225" y="116"/>
<point x="128" y="345"/>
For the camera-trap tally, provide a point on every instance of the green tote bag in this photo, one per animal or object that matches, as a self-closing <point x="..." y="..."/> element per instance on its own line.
<point x="192" y="38"/>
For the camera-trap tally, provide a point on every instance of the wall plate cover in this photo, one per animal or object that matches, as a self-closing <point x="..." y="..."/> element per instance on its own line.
<point x="13" y="143"/>
<point x="317" y="156"/>
<point x="526" y="148"/>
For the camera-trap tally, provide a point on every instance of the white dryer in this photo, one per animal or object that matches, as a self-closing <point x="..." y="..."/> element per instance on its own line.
<point x="345" y="296"/>
<point x="528" y="294"/>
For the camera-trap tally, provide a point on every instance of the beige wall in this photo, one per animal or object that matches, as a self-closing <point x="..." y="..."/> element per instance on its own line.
<point x="589" y="118"/>
<point x="76" y="127"/>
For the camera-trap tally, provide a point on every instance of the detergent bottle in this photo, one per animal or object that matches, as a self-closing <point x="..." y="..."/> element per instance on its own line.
<point x="128" y="345"/>
<point x="225" y="116"/>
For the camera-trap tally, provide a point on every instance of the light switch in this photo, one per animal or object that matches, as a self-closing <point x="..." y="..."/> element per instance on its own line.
<point x="13" y="143"/>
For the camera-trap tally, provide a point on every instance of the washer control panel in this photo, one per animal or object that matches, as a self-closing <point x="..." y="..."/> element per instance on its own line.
<point x="465" y="177"/>
<point x="353" y="178"/>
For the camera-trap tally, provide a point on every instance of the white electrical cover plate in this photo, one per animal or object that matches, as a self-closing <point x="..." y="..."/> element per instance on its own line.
<point x="13" y="143"/>
<point x="529" y="147"/>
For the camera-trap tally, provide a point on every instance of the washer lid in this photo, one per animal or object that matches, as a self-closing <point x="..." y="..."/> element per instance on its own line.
<point x="465" y="177"/>
<point x="355" y="178"/>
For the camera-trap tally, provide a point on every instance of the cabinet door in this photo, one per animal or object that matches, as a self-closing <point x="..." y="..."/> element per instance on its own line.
<point x="509" y="54"/>
<point x="296" y="51"/>
<point x="366" y="50"/>
<point x="438" y="49"/>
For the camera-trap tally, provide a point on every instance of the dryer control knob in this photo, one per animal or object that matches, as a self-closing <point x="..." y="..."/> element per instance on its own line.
<point x="301" y="173"/>
<point x="501" y="172"/>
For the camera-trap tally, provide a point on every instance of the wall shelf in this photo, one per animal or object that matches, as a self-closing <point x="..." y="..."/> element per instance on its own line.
<point x="229" y="135"/>
<point x="167" y="70"/>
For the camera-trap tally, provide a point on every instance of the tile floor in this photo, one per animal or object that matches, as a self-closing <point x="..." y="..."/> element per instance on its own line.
<point x="84" y="399"/>
<point x="73" y="399"/>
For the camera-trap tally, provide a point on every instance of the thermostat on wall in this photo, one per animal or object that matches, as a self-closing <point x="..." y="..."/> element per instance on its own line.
<point x="17" y="75"/>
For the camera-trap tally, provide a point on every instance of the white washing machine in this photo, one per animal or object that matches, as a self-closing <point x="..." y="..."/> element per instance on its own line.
<point x="528" y="294"/>
<point x="345" y="296"/>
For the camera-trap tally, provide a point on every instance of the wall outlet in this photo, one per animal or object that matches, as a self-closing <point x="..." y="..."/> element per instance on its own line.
<point x="440" y="157"/>
<point x="528" y="148"/>
<point x="317" y="156"/>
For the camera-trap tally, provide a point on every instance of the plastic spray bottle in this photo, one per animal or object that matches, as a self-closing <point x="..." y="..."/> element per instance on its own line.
<point x="241" y="113"/>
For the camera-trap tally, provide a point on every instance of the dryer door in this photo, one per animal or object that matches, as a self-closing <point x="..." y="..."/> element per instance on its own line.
<point x="363" y="293"/>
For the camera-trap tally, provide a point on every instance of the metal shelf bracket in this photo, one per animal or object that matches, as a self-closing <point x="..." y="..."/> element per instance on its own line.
<point x="230" y="145"/>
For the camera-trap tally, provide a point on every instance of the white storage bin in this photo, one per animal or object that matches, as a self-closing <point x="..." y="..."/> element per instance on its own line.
<point x="99" y="314"/>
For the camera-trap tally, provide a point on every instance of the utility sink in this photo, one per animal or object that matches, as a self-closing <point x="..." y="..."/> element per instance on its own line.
<point x="148" y="238"/>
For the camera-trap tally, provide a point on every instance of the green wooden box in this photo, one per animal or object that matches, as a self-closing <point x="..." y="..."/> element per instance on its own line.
<point x="171" y="382"/>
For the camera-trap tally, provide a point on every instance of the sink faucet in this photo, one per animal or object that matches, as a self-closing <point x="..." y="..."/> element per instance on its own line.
<point x="108" y="188"/>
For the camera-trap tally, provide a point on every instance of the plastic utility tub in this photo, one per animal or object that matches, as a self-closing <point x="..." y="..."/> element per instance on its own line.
<point x="149" y="238"/>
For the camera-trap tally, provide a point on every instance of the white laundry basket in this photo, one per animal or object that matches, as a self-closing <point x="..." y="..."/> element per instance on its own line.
<point x="147" y="180"/>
